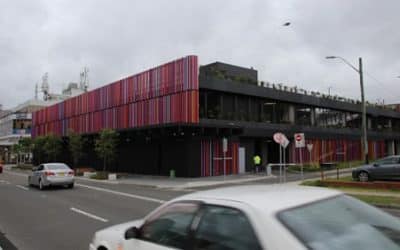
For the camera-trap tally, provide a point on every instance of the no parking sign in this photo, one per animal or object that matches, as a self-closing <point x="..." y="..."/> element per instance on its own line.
<point x="299" y="140"/>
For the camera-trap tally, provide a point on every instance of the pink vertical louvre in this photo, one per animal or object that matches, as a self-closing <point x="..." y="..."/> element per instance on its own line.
<point x="165" y="94"/>
<point x="211" y="152"/>
<point x="336" y="150"/>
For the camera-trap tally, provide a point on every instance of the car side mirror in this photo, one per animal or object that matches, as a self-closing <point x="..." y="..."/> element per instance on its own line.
<point x="132" y="233"/>
<point x="376" y="165"/>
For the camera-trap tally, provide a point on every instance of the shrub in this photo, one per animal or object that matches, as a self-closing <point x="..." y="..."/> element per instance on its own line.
<point x="100" y="176"/>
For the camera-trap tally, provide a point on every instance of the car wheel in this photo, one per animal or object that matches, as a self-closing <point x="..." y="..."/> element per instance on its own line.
<point x="363" y="176"/>
<point x="71" y="185"/>
<point x="41" y="186"/>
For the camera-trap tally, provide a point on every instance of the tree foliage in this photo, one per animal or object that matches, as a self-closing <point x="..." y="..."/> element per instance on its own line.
<point x="75" y="144"/>
<point x="52" y="147"/>
<point x="106" y="146"/>
<point x="38" y="149"/>
<point x="47" y="148"/>
<point x="26" y="144"/>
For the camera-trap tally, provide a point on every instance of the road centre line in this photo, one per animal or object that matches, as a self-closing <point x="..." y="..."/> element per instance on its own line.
<point x="22" y="187"/>
<point x="121" y="193"/>
<point x="88" y="214"/>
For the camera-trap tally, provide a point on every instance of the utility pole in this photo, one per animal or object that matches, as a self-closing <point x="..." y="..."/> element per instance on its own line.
<point x="364" y="112"/>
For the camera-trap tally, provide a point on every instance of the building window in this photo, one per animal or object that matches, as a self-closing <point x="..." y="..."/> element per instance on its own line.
<point x="303" y="115"/>
<point x="213" y="105"/>
<point x="228" y="107"/>
<point x="243" y="108"/>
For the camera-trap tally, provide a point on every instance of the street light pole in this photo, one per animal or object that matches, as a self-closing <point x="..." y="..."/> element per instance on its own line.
<point x="364" y="112"/>
<point x="364" y="140"/>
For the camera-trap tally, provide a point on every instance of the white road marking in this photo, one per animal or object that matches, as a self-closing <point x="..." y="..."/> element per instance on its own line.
<point x="22" y="187"/>
<point x="17" y="174"/>
<point x="5" y="182"/>
<point x="88" y="214"/>
<point x="122" y="194"/>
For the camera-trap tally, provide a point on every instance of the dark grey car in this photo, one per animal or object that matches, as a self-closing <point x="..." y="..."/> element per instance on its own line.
<point x="387" y="168"/>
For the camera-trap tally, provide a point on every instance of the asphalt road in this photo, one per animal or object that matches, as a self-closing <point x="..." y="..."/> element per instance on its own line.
<point x="66" y="219"/>
<point x="60" y="218"/>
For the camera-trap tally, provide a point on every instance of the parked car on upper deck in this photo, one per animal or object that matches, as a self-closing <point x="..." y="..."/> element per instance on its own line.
<point x="51" y="174"/>
<point x="257" y="217"/>
<point x="387" y="168"/>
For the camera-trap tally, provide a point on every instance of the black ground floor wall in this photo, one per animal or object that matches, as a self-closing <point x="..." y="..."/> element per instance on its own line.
<point x="158" y="156"/>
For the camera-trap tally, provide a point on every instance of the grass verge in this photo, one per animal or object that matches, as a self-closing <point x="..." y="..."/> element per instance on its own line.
<point x="314" y="167"/>
<point x="387" y="201"/>
<point x="370" y="195"/>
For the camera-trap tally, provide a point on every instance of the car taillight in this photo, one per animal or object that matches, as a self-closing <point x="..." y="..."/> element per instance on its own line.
<point x="48" y="173"/>
<point x="71" y="173"/>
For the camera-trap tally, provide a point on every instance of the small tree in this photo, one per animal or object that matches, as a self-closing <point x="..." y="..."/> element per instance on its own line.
<point x="38" y="149"/>
<point x="75" y="145"/>
<point x="26" y="145"/>
<point x="106" y="145"/>
<point x="17" y="149"/>
<point x="52" y="146"/>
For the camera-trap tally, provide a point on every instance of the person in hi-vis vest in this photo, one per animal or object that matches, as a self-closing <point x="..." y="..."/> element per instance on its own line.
<point x="257" y="162"/>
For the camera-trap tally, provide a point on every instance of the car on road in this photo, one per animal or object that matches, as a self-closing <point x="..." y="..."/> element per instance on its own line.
<point x="387" y="168"/>
<point x="257" y="217"/>
<point x="51" y="174"/>
<point x="1" y="168"/>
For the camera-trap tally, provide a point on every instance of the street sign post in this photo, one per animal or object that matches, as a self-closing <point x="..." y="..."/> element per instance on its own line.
<point x="283" y="142"/>
<point x="300" y="142"/>
<point x="309" y="148"/>
<point x="224" y="150"/>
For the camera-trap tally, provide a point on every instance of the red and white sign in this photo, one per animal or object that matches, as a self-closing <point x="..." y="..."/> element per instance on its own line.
<point x="281" y="139"/>
<point x="299" y="140"/>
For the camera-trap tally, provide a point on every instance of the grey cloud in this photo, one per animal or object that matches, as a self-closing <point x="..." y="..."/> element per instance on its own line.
<point x="116" y="39"/>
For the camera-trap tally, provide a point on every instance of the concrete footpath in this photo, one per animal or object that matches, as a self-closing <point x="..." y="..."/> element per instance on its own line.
<point x="184" y="183"/>
<point x="180" y="183"/>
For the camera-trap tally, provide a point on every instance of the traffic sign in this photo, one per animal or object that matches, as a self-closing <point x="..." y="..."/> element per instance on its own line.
<point x="299" y="140"/>
<point x="278" y="137"/>
<point x="310" y="147"/>
<point x="285" y="142"/>
<point x="281" y="139"/>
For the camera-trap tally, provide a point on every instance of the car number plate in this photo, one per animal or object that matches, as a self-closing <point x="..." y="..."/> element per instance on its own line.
<point x="61" y="174"/>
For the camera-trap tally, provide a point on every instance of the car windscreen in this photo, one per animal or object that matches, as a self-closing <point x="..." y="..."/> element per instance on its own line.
<point x="57" y="167"/>
<point x="342" y="222"/>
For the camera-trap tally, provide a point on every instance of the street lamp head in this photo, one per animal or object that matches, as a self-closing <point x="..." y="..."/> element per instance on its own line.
<point x="330" y="57"/>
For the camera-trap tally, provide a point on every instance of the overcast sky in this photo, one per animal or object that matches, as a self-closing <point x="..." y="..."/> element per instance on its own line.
<point x="115" y="39"/>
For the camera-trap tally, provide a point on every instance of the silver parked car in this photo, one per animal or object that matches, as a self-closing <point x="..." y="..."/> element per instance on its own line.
<point x="51" y="174"/>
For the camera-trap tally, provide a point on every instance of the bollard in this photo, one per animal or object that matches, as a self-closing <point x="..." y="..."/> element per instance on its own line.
<point x="172" y="173"/>
<point x="268" y="170"/>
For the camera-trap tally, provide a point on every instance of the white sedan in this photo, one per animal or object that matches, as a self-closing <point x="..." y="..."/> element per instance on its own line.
<point x="51" y="174"/>
<point x="257" y="217"/>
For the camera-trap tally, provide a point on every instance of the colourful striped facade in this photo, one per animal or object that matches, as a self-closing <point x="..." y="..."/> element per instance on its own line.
<point x="212" y="158"/>
<point x="162" y="95"/>
<point x="335" y="150"/>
